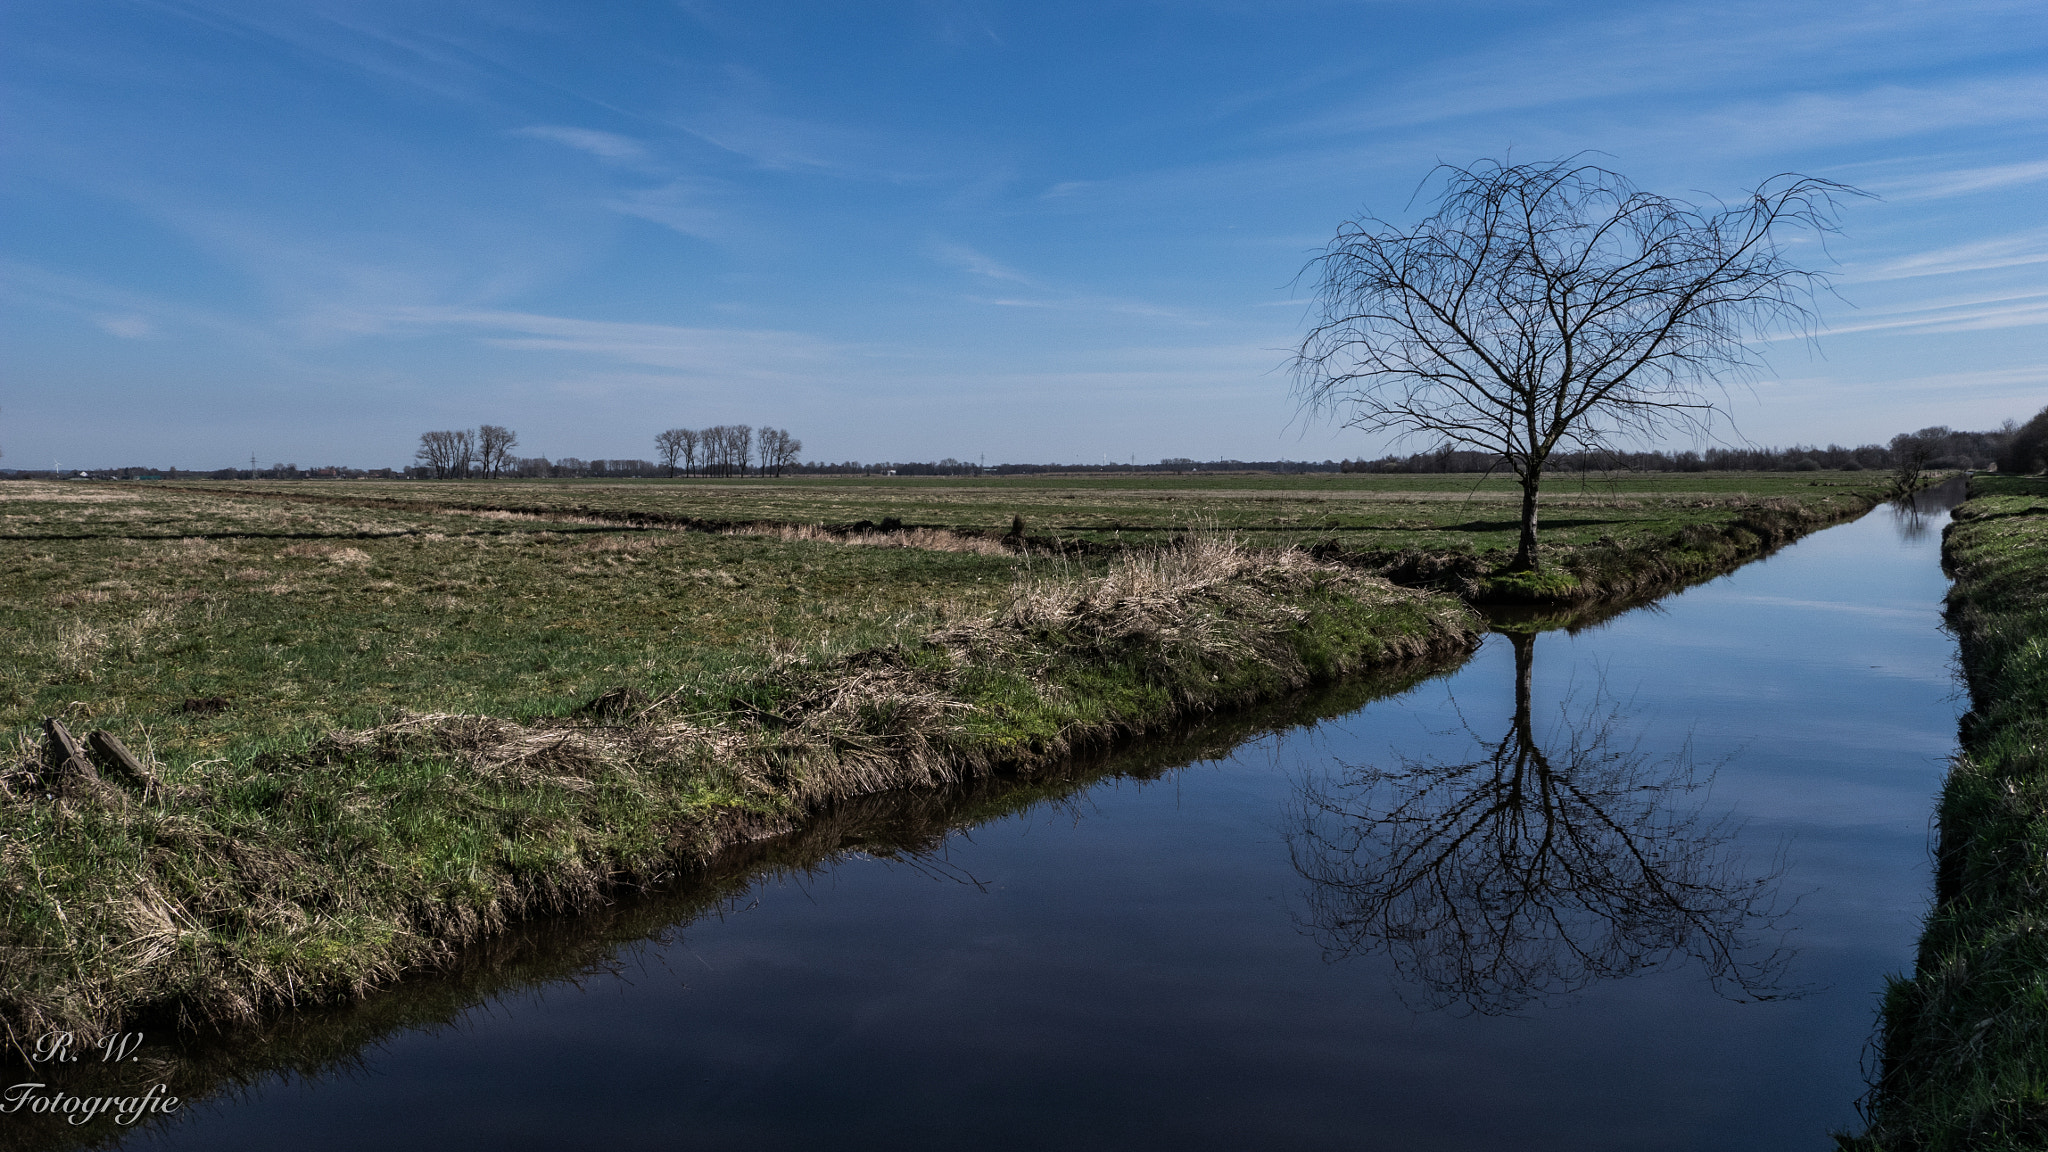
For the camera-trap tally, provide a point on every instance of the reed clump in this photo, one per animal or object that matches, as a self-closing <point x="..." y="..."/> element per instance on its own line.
<point x="318" y="869"/>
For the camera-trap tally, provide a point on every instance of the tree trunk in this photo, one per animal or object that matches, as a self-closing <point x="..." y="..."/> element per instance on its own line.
<point x="1525" y="555"/>
<point x="1524" y="644"/>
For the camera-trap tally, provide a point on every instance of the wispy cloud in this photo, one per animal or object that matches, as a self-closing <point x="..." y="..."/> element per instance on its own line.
<point x="2019" y="380"/>
<point x="794" y="144"/>
<point x="1099" y="304"/>
<point x="126" y="327"/>
<point x="1884" y="112"/>
<point x="604" y="145"/>
<point x="2009" y="251"/>
<point x="2017" y="311"/>
<point x="345" y="35"/>
<point x="724" y="353"/>
<point x="116" y="311"/>
<point x="963" y="257"/>
<point x="684" y="205"/>
<point x="1962" y="181"/>
<point x="1656" y="51"/>
<point x="980" y="264"/>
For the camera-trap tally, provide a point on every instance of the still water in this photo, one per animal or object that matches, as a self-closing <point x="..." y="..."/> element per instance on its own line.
<point x="1636" y="886"/>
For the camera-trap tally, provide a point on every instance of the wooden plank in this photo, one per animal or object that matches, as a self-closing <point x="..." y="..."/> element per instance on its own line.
<point x="125" y="763"/>
<point x="71" y="761"/>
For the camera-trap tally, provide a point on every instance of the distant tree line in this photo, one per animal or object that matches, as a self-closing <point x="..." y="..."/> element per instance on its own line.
<point x="727" y="450"/>
<point x="952" y="467"/>
<point x="458" y="455"/>
<point x="571" y="467"/>
<point x="149" y="472"/>
<point x="721" y="450"/>
<point x="1936" y="447"/>
<point x="2026" y="445"/>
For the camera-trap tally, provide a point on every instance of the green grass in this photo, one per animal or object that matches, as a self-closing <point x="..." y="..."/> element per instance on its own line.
<point x="904" y="824"/>
<point x="308" y="617"/>
<point x="1965" y="1040"/>
<point x="396" y="772"/>
<point x="1360" y="513"/>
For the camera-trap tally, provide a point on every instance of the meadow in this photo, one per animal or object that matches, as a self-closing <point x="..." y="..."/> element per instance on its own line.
<point x="1363" y="513"/>
<point x="289" y="618"/>
<point x="299" y="606"/>
<point x="1608" y="536"/>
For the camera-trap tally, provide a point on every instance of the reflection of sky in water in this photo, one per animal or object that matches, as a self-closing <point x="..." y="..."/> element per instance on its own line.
<point x="1138" y="975"/>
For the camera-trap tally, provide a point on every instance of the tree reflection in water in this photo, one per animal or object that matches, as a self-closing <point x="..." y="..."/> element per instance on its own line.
<point x="1912" y="522"/>
<point x="1917" y="515"/>
<point x="1535" y="868"/>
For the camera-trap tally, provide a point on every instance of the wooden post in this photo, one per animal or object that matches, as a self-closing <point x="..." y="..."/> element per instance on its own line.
<point x="70" y="759"/>
<point x="124" y="762"/>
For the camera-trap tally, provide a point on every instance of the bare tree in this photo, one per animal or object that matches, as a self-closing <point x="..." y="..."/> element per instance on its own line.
<point x="778" y="449"/>
<point x="713" y="443"/>
<point x="494" y="444"/>
<point x="1555" y="304"/>
<point x="727" y="448"/>
<point x="739" y="446"/>
<point x="669" y="447"/>
<point x="691" y="440"/>
<point x="462" y="453"/>
<point x="436" y="451"/>
<point x="698" y="448"/>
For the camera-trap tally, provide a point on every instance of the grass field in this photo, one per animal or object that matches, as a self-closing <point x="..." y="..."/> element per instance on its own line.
<point x="363" y="740"/>
<point x="345" y="601"/>
<point x="1365" y="513"/>
<point x="121" y="604"/>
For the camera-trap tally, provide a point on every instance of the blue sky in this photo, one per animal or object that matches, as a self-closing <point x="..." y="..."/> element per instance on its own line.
<point x="1034" y="231"/>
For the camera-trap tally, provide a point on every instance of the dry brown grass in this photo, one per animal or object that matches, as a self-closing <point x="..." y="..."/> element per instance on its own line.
<point x="48" y="492"/>
<point x="862" y="722"/>
<point x="929" y="539"/>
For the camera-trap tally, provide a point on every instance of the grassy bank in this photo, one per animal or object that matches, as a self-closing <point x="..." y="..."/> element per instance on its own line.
<point x="287" y="867"/>
<point x="909" y="825"/>
<point x="1965" y="1040"/>
<point x="1652" y="559"/>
